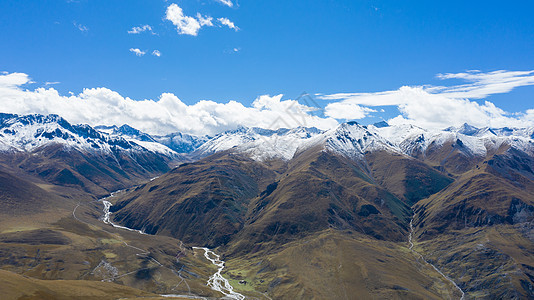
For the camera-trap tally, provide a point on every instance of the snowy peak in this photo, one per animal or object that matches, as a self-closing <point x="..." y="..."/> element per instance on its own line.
<point x="181" y="142"/>
<point x="354" y="140"/>
<point x="468" y="139"/>
<point x="11" y="119"/>
<point x="125" y="131"/>
<point x="260" y="144"/>
<point x="28" y="132"/>
<point x="465" y="129"/>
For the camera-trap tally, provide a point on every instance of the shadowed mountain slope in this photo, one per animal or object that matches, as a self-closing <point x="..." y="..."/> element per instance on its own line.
<point x="480" y="229"/>
<point x="202" y="203"/>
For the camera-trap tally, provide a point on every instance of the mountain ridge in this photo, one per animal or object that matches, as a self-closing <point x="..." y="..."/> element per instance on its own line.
<point x="258" y="143"/>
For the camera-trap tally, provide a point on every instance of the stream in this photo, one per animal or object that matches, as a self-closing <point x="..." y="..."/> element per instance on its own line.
<point x="410" y="243"/>
<point x="216" y="281"/>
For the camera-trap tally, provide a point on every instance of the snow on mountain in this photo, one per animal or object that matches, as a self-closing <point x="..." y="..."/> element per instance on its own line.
<point x="127" y="132"/>
<point x="137" y="137"/>
<point x="181" y="142"/>
<point x="260" y="144"/>
<point x="408" y="139"/>
<point x="354" y="140"/>
<point x="470" y="140"/>
<point x="26" y="133"/>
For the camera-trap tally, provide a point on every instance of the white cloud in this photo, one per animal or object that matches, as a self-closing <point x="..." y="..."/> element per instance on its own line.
<point x="137" y="30"/>
<point x="101" y="106"/>
<point x="227" y="22"/>
<point x="156" y="53"/>
<point x="205" y="20"/>
<point x="81" y="27"/>
<point x="440" y="107"/>
<point x="137" y="51"/>
<point x="347" y="110"/>
<point x="13" y="80"/>
<point x="190" y="25"/>
<point x="226" y="2"/>
<point x="184" y="24"/>
<point x="485" y="84"/>
<point x="425" y="106"/>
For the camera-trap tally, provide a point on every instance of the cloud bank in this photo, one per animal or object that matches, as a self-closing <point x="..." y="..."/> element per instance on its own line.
<point x="102" y="106"/>
<point x="441" y="106"/>
<point x="426" y="106"/>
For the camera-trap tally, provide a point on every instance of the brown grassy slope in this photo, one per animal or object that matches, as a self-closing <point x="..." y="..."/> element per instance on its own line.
<point x="320" y="190"/>
<point x="47" y="236"/>
<point x="94" y="173"/>
<point x="479" y="229"/>
<point x="27" y="204"/>
<point x="14" y="286"/>
<point x="477" y="198"/>
<point x="203" y="203"/>
<point x="334" y="264"/>
<point x="486" y="262"/>
<point x="407" y="178"/>
<point x="71" y="249"/>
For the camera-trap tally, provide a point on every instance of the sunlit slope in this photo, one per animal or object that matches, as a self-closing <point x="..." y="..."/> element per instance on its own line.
<point x="334" y="264"/>
<point x="14" y="286"/>
<point x="47" y="235"/>
<point x="479" y="229"/>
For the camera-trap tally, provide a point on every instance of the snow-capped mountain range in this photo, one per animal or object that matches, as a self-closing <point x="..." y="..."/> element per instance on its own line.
<point x="29" y="132"/>
<point x="25" y="133"/>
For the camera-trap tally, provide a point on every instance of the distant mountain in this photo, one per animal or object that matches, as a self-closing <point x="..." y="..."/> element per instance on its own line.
<point x="29" y="132"/>
<point x="259" y="144"/>
<point x="354" y="140"/>
<point x="25" y="133"/>
<point x="125" y="131"/>
<point x="79" y="155"/>
<point x="181" y="142"/>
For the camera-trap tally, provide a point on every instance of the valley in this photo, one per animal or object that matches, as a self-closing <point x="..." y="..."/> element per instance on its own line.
<point x="356" y="212"/>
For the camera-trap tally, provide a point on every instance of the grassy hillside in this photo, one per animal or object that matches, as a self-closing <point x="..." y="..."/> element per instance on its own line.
<point x="479" y="230"/>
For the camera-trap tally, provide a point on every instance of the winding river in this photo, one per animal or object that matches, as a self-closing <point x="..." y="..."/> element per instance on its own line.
<point x="216" y="281"/>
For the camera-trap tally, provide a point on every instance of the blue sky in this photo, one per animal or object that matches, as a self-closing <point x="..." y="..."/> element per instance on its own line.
<point x="277" y="47"/>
